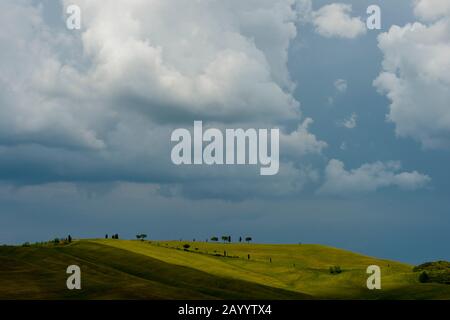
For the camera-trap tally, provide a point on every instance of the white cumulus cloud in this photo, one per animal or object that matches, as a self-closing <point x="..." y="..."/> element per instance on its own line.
<point x="416" y="77"/>
<point x="221" y="60"/>
<point x="334" y="20"/>
<point x="369" y="178"/>
<point x="431" y="9"/>
<point x="301" y="142"/>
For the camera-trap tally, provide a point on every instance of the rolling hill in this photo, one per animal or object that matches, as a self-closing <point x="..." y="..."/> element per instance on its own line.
<point x="126" y="269"/>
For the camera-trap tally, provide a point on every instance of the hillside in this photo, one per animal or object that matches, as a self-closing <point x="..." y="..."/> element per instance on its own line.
<point x="122" y="269"/>
<point x="112" y="273"/>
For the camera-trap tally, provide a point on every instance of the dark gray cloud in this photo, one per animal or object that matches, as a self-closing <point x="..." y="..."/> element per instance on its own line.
<point x="99" y="104"/>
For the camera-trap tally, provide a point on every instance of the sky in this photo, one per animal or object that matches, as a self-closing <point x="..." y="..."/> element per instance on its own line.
<point x="86" y="118"/>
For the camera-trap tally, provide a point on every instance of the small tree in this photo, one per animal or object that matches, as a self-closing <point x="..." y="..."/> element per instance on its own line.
<point x="248" y="239"/>
<point x="69" y="239"/>
<point x="240" y="239"/>
<point x="335" y="270"/>
<point x="141" y="236"/>
<point x="186" y="246"/>
<point x="225" y="238"/>
<point x="215" y="239"/>
<point x="106" y="236"/>
<point x="424" y="277"/>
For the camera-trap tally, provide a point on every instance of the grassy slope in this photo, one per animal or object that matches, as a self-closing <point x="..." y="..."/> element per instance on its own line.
<point x="301" y="268"/>
<point x="141" y="270"/>
<point x="112" y="273"/>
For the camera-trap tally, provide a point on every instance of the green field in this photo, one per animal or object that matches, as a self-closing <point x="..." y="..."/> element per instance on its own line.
<point x="125" y="269"/>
